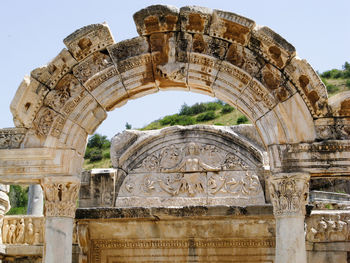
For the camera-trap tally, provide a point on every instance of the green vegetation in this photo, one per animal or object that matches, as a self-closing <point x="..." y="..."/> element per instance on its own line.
<point x="18" y="199"/>
<point x="97" y="152"/>
<point x="337" y="80"/>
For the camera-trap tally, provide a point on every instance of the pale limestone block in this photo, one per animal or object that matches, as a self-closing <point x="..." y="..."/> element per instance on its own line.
<point x="210" y="46"/>
<point x="271" y="46"/>
<point x="272" y="129"/>
<point x="11" y="138"/>
<point x="231" y="27"/>
<point x="195" y="19"/>
<point x="27" y="102"/>
<point x="309" y="84"/>
<point x="327" y="256"/>
<point x="156" y="18"/>
<point x="340" y="104"/>
<point x="30" y="165"/>
<point x="297" y="120"/>
<point x="202" y="72"/>
<point x="108" y="89"/>
<point x="89" y="39"/>
<point x="35" y="200"/>
<point x="50" y="74"/>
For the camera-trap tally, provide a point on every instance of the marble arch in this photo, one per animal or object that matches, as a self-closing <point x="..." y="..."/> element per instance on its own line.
<point x="195" y="49"/>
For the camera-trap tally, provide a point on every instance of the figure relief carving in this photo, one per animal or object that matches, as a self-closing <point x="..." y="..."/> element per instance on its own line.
<point x="60" y="198"/>
<point x="22" y="230"/>
<point x="328" y="227"/>
<point x="194" y="170"/>
<point x="289" y="193"/>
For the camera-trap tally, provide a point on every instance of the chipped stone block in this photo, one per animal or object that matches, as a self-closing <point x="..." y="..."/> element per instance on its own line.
<point x="271" y="46"/>
<point x="276" y="82"/>
<point x="309" y="84"/>
<point x="202" y="72"/>
<point x="156" y="18"/>
<point x="27" y="101"/>
<point x="245" y="59"/>
<point x="325" y="129"/>
<point x="92" y="65"/>
<point x="231" y="27"/>
<point x="209" y="45"/>
<point x="50" y="74"/>
<point x="88" y="40"/>
<point x="134" y="64"/>
<point x="340" y="104"/>
<point x="195" y="19"/>
<point x="108" y="89"/>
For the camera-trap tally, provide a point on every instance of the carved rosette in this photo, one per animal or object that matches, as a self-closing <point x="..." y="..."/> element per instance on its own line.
<point x="60" y="197"/>
<point x="289" y="193"/>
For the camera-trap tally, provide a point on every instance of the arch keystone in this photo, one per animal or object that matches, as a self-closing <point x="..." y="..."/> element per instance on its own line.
<point x="271" y="46"/>
<point x="88" y="40"/>
<point x="156" y="18"/>
<point x="231" y="27"/>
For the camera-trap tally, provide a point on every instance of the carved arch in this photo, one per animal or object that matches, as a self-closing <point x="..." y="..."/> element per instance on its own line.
<point x="193" y="49"/>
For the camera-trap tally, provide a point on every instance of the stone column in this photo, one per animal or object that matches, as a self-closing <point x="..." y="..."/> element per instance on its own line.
<point x="60" y="204"/>
<point x="4" y="205"/>
<point x="35" y="200"/>
<point x="289" y="195"/>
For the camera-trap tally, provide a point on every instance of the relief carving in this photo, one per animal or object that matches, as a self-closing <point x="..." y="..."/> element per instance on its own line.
<point x="328" y="228"/>
<point x="193" y="170"/>
<point x="60" y="197"/>
<point x="83" y="241"/>
<point x="11" y="138"/>
<point x="22" y="230"/>
<point x="289" y="193"/>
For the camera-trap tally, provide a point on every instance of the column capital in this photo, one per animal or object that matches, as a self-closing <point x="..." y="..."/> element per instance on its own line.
<point x="61" y="194"/>
<point x="289" y="193"/>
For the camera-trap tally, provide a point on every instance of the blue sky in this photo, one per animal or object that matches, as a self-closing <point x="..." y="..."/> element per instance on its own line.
<point x="32" y="34"/>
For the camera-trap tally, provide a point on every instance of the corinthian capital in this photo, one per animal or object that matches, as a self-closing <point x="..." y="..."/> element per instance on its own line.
<point x="289" y="193"/>
<point x="60" y="196"/>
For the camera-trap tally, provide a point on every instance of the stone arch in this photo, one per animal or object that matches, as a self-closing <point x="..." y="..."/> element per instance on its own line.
<point x="217" y="53"/>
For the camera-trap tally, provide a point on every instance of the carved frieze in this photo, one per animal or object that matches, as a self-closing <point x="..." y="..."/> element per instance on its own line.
<point x="289" y="193"/>
<point x="23" y="230"/>
<point x="60" y="197"/>
<point x="328" y="227"/>
<point x="83" y="241"/>
<point x="11" y="138"/>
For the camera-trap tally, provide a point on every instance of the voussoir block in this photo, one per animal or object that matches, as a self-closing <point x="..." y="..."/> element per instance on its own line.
<point x="231" y="27"/>
<point x="156" y="18"/>
<point x="88" y="40"/>
<point x="50" y="74"/>
<point x="27" y="102"/>
<point x="195" y="19"/>
<point x="271" y="46"/>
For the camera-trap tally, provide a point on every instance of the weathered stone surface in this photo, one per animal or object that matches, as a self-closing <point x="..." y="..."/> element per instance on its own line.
<point x="340" y="104"/>
<point x="50" y="74"/>
<point x="12" y="138"/>
<point x="23" y="230"/>
<point x="27" y="102"/>
<point x="88" y="40"/>
<point x="231" y="27"/>
<point x="271" y="46"/>
<point x="309" y="85"/>
<point x="157" y="18"/>
<point x="195" y="19"/>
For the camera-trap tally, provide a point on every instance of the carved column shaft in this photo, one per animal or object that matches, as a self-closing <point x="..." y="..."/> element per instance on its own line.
<point x="60" y="203"/>
<point x="289" y="195"/>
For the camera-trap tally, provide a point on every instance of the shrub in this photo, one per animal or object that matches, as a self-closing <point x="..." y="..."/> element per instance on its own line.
<point x="98" y="141"/>
<point x="226" y="109"/>
<point x="242" y="119"/>
<point x="347" y="83"/>
<point x="212" y="106"/>
<point x="95" y="155"/>
<point x="332" y="88"/>
<point x="106" y="154"/>
<point x="206" y="116"/>
<point x="185" y="120"/>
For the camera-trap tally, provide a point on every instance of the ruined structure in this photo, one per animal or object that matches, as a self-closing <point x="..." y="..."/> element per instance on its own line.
<point x="304" y="133"/>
